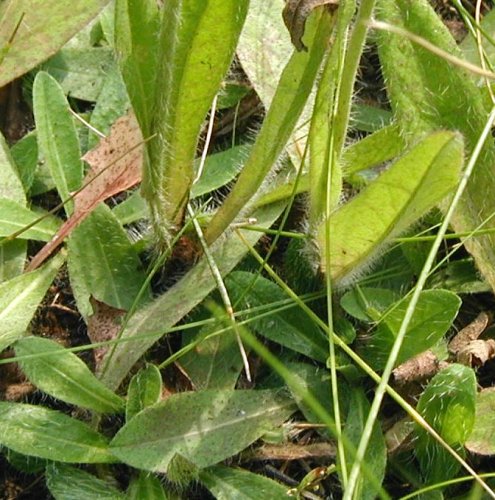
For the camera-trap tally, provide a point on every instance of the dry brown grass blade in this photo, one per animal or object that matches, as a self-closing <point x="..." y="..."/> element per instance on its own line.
<point x="116" y="164"/>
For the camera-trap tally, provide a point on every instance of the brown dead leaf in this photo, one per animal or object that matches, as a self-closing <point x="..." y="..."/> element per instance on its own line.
<point x="469" y="333"/>
<point x="477" y="353"/>
<point x="103" y="325"/>
<point x="418" y="368"/>
<point x="115" y="166"/>
<point x="295" y="14"/>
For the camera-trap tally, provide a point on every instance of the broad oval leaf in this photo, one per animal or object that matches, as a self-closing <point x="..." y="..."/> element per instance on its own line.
<point x="204" y="427"/>
<point x="64" y="376"/>
<point x="20" y="297"/>
<point x="448" y="404"/>
<point x="433" y="316"/>
<point x="40" y="432"/>
<point x="412" y="186"/>
<point x="69" y="483"/>
<point x="366" y="303"/>
<point x="145" y="389"/>
<point x="226" y="483"/>
<point x="36" y="39"/>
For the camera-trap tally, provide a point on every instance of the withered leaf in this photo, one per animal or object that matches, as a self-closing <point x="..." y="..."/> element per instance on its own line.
<point x="469" y="333"/>
<point x="418" y="368"/>
<point x="103" y="325"/>
<point x="296" y="13"/>
<point x="115" y="166"/>
<point x="477" y="353"/>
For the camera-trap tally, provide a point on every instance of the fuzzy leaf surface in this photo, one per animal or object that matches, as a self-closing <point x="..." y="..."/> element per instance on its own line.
<point x="20" y="297"/>
<point x="57" y="137"/>
<point x="412" y="186"/>
<point x="432" y="318"/>
<point x="63" y="375"/>
<point x="203" y="427"/>
<point x="229" y="482"/>
<point x="36" y="39"/>
<point x="145" y="389"/>
<point x="448" y="404"/>
<point x="69" y="483"/>
<point x="428" y="93"/>
<point x="40" y="432"/>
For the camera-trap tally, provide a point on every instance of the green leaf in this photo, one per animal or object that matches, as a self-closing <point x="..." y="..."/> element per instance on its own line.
<point x="204" y="427"/>
<point x="20" y="297"/>
<point x="226" y="483"/>
<point x="152" y="321"/>
<point x="482" y="439"/>
<point x="197" y="44"/>
<point x="81" y="71"/>
<point x="57" y="136"/>
<point x="112" y="103"/>
<point x="145" y="389"/>
<point x="14" y="217"/>
<point x="146" y="486"/>
<point x="375" y="459"/>
<point x="428" y="93"/>
<point x="103" y="263"/>
<point x="291" y="328"/>
<point x="12" y="253"/>
<point x="315" y="380"/>
<point x="69" y="483"/>
<point x="137" y="24"/>
<point x="219" y="169"/>
<point x="25" y="156"/>
<point x="448" y="404"/>
<point x="432" y="318"/>
<point x="288" y="102"/>
<point x="214" y="363"/>
<point x="365" y="303"/>
<point x="39" y="432"/>
<point x="411" y="187"/>
<point x="44" y="28"/>
<point x="63" y="375"/>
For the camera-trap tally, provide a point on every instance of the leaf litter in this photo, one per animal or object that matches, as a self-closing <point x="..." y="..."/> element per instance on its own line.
<point x="115" y="166"/>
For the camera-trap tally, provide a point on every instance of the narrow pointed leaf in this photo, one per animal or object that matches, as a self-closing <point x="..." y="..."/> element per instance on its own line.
<point x="137" y="24"/>
<point x="197" y="44"/>
<point x="204" y="427"/>
<point x="57" y="136"/>
<point x="292" y="93"/>
<point x="20" y="297"/>
<point x="418" y="181"/>
<point x="39" y="432"/>
<point x="63" y="375"/>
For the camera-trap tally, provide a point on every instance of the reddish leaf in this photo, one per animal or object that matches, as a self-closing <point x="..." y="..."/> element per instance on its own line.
<point x="115" y="166"/>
